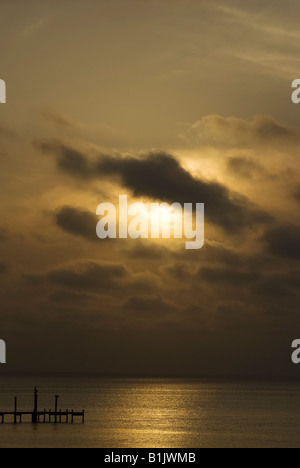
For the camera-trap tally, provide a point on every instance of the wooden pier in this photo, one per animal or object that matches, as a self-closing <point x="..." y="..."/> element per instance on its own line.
<point x="45" y="416"/>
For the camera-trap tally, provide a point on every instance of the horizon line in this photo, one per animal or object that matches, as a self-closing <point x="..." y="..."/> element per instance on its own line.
<point x="148" y="375"/>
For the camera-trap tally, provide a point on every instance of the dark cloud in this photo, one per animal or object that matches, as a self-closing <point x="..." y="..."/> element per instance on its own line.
<point x="160" y="176"/>
<point x="227" y="276"/>
<point x="90" y="276"/>
<point x="278" y="287"/>
<point x="68" y="159"/>
<point x="33" y="279"/>
<point x="148" y="306"/>
<point x="4" y="235"/>
<point x="218" y="254"/>
<point x="180" y="271"/>
<point x="296" y="194"/>
<point x="267" y="128"/>
<point x="77" y="221"/>
<point x="86" y="276"/>
<point x="143" y="251"/>
<point x="67" y="297"/>
<point x="3" y="268"/>
<point x="284" y="241"/>
<point x="113" y="279"/>
<point x="245" y="167"/>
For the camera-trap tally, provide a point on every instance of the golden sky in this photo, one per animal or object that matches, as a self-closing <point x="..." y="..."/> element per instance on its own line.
<point x="170" y="100"/>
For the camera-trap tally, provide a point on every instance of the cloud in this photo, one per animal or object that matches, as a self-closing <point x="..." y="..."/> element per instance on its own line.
<point x="57" y="119"/>
<point x="4" y="235"/>
<point x="246" y="168"/>
<point x="218" y="254"/>
<point x="148" y="306"/>
<point x="279" y="287"/>
<point x="231" y="132"/>
<point x="158" y="175"/>
<point x="90" y="276"/>
<point x="228" y="276"/>
<point x="179" y="271"/>
<point x="67" y="297"/>
<point x="283" y="241"/>
<point x="78" y="222"/>
<point x="3" y="268"/>
<point x="6" y="132"/>
<point x="112" y="279"/>
<point x="151" y="252"/>
<point x="68" y="159"/>
<point x="296" y="194"/>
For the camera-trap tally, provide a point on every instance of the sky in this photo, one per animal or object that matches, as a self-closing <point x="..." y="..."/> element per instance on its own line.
<point x="184" y="101"/>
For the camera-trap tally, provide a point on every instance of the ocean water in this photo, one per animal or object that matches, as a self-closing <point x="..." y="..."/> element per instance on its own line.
<point x="155" y="413"/>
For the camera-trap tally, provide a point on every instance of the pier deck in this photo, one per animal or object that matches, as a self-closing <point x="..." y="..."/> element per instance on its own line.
<point x="42" y="416"/>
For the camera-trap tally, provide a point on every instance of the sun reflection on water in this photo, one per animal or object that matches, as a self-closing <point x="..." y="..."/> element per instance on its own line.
<point x="154" y="414"/>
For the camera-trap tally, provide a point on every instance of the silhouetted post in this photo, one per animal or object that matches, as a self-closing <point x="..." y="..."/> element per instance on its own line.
<point x="55" y="410"/>
<point x="82" y="416"/>
<point x="35" y="410"/>
<point x="15" y="413"/>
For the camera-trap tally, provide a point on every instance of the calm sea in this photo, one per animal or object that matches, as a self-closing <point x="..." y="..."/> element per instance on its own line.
<point x="156" y="413"/>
